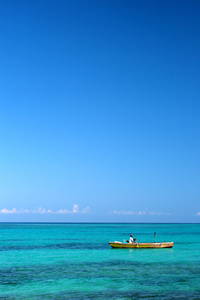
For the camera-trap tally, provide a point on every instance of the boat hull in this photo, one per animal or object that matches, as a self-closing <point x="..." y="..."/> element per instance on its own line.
<point x="141" y="245"/>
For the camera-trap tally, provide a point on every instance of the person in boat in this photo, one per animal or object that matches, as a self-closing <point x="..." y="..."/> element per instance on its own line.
<point x="131" y="240"/>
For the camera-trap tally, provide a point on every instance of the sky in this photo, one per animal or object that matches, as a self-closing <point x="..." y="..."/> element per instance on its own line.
<point x="99" y="111"/>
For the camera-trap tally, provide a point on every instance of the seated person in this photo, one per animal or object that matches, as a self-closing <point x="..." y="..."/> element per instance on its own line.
<point x="130" y="239"/>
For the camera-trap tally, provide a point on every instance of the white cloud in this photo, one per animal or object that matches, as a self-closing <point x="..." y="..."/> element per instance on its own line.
<point x="7" y="211"/>
<point x="142" y="213"/>
<point x="129" y="212"/>
<point x="40" y="210"/>
<point x="139" y="213"/>
<point x="74" y="210"/>
<point x="66" y="211"/>
<point x="13" y="211"/>
<point x="198" y="214"/>
<point x="63" y="211"/>
<point x="122" y="212"/>
<point x="85" y="210"/>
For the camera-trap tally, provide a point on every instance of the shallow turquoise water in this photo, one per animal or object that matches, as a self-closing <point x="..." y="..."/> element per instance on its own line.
<point x="74" y="261"/>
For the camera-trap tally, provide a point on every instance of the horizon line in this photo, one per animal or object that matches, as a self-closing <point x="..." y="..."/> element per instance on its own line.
<point x="13" y="222"/>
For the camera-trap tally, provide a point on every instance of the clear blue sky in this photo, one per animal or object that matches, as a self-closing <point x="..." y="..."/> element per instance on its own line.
<point x="100" y="111"/>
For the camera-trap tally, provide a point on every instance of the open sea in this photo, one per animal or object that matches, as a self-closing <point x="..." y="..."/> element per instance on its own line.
<point x="75" y="261"/>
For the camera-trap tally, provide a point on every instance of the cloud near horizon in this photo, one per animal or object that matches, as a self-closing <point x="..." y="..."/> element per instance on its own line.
<point x="13" y="211"/>
<point x="40" y="210"/>
<point x="198" y="214"/>
<point x="139" y="213"/>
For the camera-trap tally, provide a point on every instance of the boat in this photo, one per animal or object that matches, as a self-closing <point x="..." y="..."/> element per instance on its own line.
<point x="140" y="245"/>
<point x="137" y="245"/>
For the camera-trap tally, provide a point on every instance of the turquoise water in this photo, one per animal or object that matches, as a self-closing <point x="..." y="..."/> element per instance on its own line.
<point x="74" y="261"/>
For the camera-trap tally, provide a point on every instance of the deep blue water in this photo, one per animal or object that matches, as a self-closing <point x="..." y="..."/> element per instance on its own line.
<point x="74" y="261"/>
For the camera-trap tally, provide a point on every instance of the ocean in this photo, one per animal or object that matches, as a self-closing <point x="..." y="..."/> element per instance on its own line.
<point x="75" y="261"/>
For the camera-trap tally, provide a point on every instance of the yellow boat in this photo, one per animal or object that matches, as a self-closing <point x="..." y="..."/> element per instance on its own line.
<point x="135" y="244"/>
<point x="140" y="245"/>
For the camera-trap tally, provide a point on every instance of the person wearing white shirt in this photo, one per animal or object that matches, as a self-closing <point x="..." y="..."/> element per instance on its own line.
<point x="131" y="239"/>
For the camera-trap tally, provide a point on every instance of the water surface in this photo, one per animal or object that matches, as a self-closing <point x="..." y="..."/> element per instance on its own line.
<point x="74" y="261"/>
